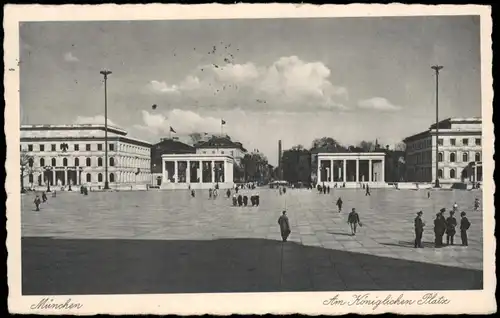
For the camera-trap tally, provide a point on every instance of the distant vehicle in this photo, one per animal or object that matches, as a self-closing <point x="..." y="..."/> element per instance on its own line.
<point x="277" y="183"/>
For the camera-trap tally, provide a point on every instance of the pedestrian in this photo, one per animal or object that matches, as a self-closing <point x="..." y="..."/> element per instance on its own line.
<point x="419" y="230"/>
<point x="235" y="200"/>
<point x="455" y="207"/>
<point x="324" y="188"/>
<point x="284" y="226"/>
<point x="37" y="202"/>
<point x="284" y="190"/>
<point x="353" y="220"/>
<point x="439" y="228"/>
<point x="339" y="204"/>
<point x="451" y="223"/>
<point x="193" y="194"/>
<point x="44" y="197"/>
<point x="215" y="193"/>
<point x="210" y="191"/>
<point x="476" y="204"/>
<point x="428" y="194"/>
<point x="54" y="194"/>
<point x="240" y="200"/>
<point x="367" y="190"/>
<point x="464" y="226"/>
<point x="228" y="193"/>
<point x="279" y="189"/>
<point x="328" y="189"/>
<point x="245" y="200"/>
<point x="257" y="199"/>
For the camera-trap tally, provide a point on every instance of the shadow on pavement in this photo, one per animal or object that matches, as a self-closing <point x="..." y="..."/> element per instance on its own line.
<point x="53" y="266"/>
<point x="340" y="233"/>
<point x="409" y="244"/>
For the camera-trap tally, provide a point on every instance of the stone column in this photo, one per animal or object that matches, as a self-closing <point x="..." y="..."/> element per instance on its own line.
<point x="176" y="172"/>
<point x="54" y="181"/>
<point x="200" y="171"/>
<point x="382" y="176"/>
<point x="319" y="171"/>
<point x="164" y="172"/>
<point x="370" y="177"/>
<point x="225" y="171"/>
<point x="66" y="181"/>
<point x="213" y="171"/>
<point x="357" y="170"/>
<point x="331" y="170"/>
<point x="188" y="172"/>
<point x="344" y="177"/>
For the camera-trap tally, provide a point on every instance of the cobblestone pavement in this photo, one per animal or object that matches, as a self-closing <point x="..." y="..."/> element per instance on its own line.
<point x="161" y="241"/>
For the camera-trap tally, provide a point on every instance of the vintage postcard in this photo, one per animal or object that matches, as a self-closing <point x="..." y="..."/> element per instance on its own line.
<point x="249" y="159"/>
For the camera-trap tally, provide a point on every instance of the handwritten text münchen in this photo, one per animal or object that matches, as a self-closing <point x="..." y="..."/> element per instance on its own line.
<point x="49" y="303"/>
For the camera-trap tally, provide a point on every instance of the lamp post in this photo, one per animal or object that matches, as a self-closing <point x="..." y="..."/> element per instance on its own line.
<point x="105" y="73"/>
<point x="47" y="170"/>
<point x="436" y="69"/>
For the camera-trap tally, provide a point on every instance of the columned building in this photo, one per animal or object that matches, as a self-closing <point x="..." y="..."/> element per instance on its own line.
<point x="197" y="171"/>
<point x="459" y="158"/>
<point x="63" y="155"/>
<point x="351" y="168"/>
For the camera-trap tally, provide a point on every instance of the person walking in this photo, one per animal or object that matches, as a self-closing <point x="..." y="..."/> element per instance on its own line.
<point x="37" y="202"/>
<point x="44" y="197"/>
<point x="284" y="226"/>
<point x="419" y="230"/>
<point x="451" y="223"/>
<point x="464" y="226"/>
<point x="367" y="190"/>
<point x="476" y="204"/>
<point x="339" y="204"/>
<point x="353" y="220"/>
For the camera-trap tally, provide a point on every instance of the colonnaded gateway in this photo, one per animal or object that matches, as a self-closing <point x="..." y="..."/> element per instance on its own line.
<point x="351" y="168"/>
<point x="197" y="171"/>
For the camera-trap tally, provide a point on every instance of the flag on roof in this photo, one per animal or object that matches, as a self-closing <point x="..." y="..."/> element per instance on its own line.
<point x="172" y="130"/>
<point x="222" y="122"/>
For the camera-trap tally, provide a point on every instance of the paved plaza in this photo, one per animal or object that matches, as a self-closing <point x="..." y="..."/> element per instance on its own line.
<point x="168" y="242"/>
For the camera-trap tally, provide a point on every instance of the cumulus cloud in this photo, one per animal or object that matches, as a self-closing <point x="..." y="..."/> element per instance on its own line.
<point x="378" y="103"/>
<point x="183" y="122"/>
<point x="69" y="57"/>
<point x="99" y="119"/>
<point x="288" y="83"/>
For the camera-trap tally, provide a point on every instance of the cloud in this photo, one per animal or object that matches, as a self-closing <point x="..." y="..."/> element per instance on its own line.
<point x="378" y="103"/>
<point x="69" y="57"/>
<point x="99" y="119"/>
<point x="288" y="83"/>
<point x="183" y="122"/>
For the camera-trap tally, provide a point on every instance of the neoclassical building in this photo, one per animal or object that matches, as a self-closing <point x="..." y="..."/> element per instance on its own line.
<point x="75" y="154"/>
<point x="459" y="152"/>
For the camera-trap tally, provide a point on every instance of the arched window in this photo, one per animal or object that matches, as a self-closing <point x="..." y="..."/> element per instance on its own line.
<point x="99" y="177"/>
<point x="111" y="161"/>
<point x="99" y="162"/>
<point x="77" y="162"/>
<point x="88" y="162"/>
<point x="30" y="178"/>
<point x="452" y="157"/>
<point x="111" y="177"/>
<point x="89" y="177"/>
<point x="30" y="162"/>
<point x="53" y="162"/>
<point x="65" y="162"/>
<point x="477" y="156"/>
<point x="440" y="173"/>
<point x="42" y="162"/>
<point x="465" y="157"/>
<point x="440" y="157"/>
<point x="452" y="174"/>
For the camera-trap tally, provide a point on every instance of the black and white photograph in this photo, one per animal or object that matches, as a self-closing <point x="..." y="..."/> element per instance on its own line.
<point x="342" y="161"/>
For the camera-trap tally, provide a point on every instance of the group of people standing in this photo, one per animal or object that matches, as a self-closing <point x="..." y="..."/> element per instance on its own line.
<point x="443" y="226"/>
<point x="242" y="199"/>
<point x="37" y="201"/>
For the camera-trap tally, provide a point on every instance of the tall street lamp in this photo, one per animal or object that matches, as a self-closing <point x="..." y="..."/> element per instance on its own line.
<point x="105" y="73"/>
<point x="437" y="68"/>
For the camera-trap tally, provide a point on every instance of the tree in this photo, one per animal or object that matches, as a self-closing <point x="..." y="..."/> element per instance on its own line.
<point x="195" y="137"/>
<point x="26" y="165"/>
<point x="400" y="146"/>
<point x="367" y="146"/>
<point x="297" y="164"/>
<point x="255" y="165"/>
<point x="327" y="143"/>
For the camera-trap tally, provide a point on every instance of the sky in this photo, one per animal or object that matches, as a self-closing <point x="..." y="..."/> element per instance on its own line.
<point x="292" y="79"/>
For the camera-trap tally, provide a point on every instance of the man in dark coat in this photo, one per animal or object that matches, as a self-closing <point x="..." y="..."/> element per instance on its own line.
<point x="353" y="220"/>
<point x="240" y="200"/>
<point x="451" y="223"/>
<point x="439" y="228"/>
<point x="339" y="204"/>
<point x="284" y="226"/>
<point x="464" y="226"/>
<point x="419" y="230"/>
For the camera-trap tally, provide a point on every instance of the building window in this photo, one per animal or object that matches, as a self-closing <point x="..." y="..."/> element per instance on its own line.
<point x="111" y="177"/>
<point x="42" y="162"/>
<point x="440" y="141"/>
<point x="204" y="152"/>
<point x="99" y="147"/>
<point x="77" y="162"/>
<point x="478" y="141"/>
<point x="440" y="173"/>
<point x="213" y="151"/>
<point x="440" y="157"/>
<point x="222" y="152"/>
<point x="87" y="147"/>
<point x="88" y="162"/>
<point x="452" y="157"/>
<point x="465" y="157"/>
<point x="111" y="161"/>
<point x="42" y="147"/>
<point x="53" y="147"/>
<point x="30" y="147"/>
<point x="465" y="141"/>
<point x="30" y="178"/>
<point x="232" y="153"/>
<point x="76" y="147"/>
<point x="89" y="177"/>
<point x="99" y="162"/>
<point x="99" y="177"/>
<point x="30" y="162"/>
<point x="452" y="174"/>
<point x="111" y="147"/>
<point x="477" y="157"/>
<point x="53" y="162"/>
<point x="65" y="162"/>
<point x="453" y="141"/>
